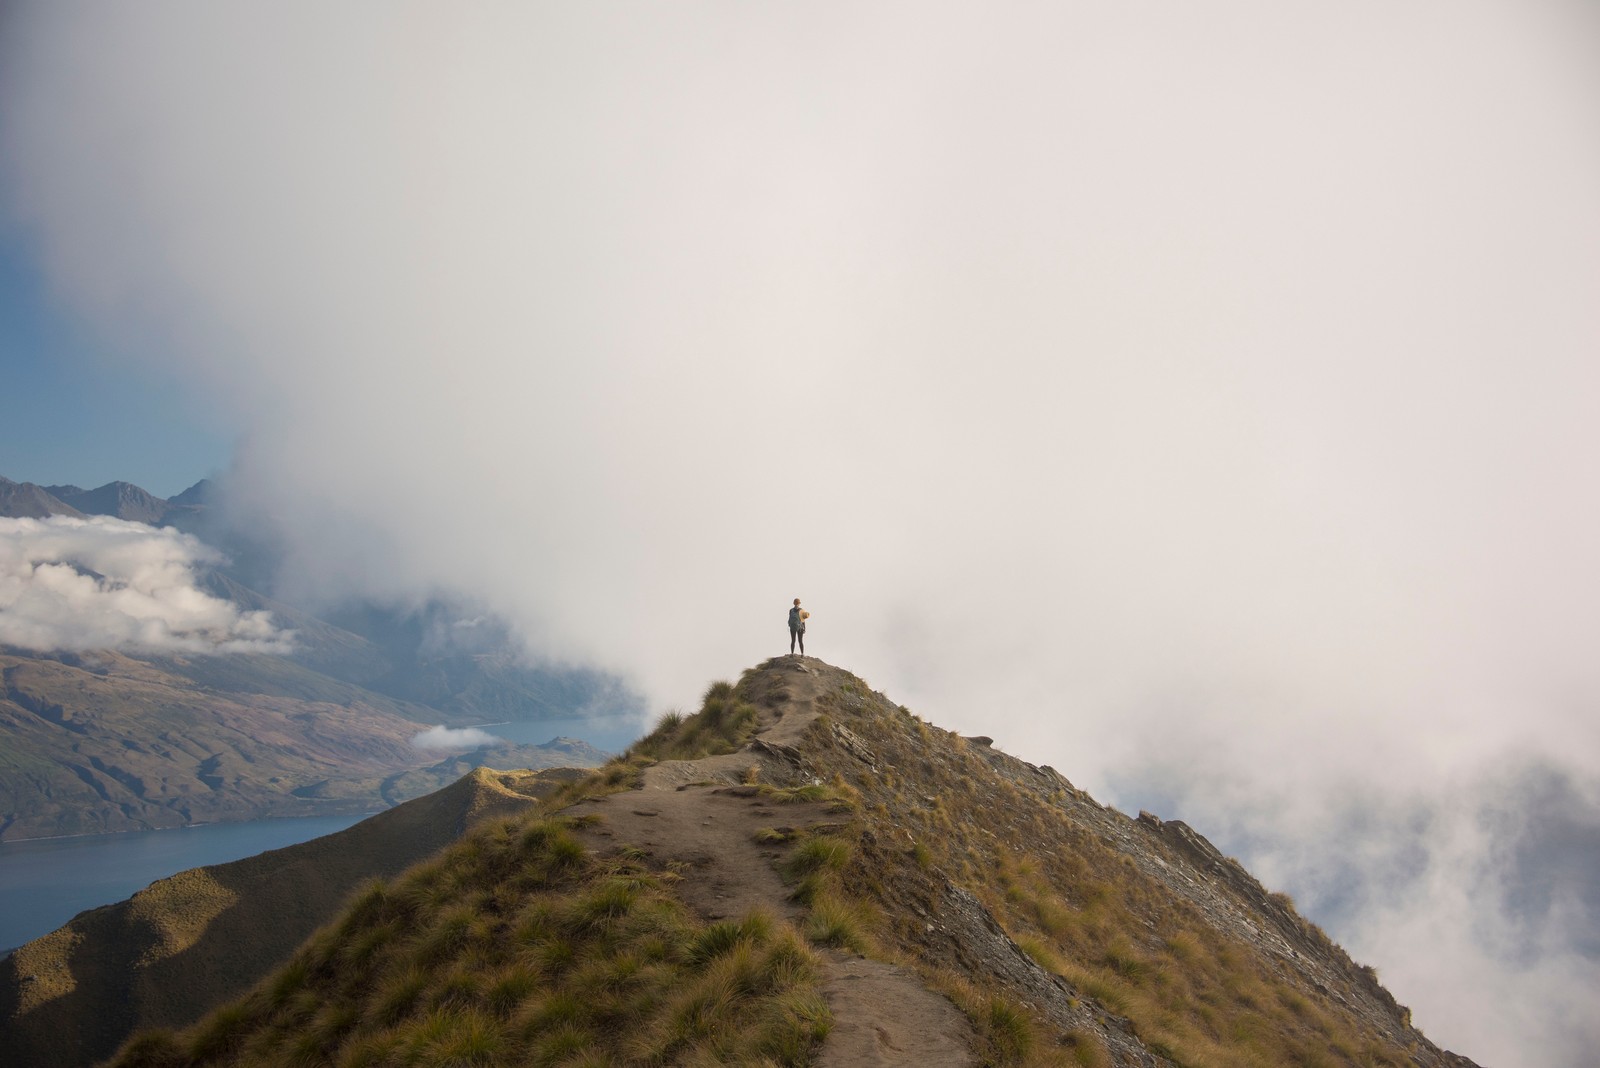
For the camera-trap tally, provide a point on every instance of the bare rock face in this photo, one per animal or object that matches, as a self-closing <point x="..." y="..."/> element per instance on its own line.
<point x="24" y="500"/>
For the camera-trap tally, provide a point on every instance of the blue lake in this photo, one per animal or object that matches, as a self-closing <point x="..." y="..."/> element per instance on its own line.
<point x="46" y="882"/>
<point x="612" y="735"/>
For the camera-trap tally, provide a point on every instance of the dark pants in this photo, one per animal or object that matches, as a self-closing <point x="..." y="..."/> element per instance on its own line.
<point x="797" y="634"/>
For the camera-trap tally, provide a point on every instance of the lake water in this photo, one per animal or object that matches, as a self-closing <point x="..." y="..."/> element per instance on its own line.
<point x="612" y="735"/>
<point x="46" y="882"/>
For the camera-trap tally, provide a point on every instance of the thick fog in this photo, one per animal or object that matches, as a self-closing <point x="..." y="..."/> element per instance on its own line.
<point x="1200" y="399"/>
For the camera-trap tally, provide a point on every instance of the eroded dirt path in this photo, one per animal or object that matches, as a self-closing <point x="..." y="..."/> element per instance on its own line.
<point x="702" y="818"/>
<point x="883" y="1015"/>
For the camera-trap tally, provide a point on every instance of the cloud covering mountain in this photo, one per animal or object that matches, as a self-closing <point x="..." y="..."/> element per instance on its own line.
<point x="442" y="737"/>
<point x="1220" y="382"/>
<point x="70" y="584"/>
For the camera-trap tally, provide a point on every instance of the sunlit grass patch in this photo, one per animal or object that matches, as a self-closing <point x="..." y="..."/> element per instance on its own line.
<point x="590" y="957"/>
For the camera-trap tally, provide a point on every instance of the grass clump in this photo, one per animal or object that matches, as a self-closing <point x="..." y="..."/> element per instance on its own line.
<point x="588" y="961"/>
<point x="156" y="1048"/>
<point x="724" y="723"/>
<point x="1047" y="864"/>
<point x="821" y="854"/>
<point x="839" y="922"/>
<point x="1008" y="1030"/>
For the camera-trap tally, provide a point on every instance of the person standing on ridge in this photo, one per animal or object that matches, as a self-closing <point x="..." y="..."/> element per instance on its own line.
<point x="797" y="627"/>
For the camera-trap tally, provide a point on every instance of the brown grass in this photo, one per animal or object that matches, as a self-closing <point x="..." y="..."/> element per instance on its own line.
<point x="539" y="953"/>
<point x="515" y="945"/>
<point x="1072" y="902"/>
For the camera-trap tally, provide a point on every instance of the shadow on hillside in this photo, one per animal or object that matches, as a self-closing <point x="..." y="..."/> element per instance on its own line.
<point x="201" y="938"/>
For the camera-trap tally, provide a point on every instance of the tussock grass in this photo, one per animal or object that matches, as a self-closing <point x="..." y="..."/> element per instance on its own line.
<point x="817" y="855"/>
<point x="1071" y="901"/>
<point x="1010" y="1031"/>
<point x="156" y="1048"/>
<point x="516" y="946"/>
<point x="837" y="921"/>
<point x="724" y="723"/>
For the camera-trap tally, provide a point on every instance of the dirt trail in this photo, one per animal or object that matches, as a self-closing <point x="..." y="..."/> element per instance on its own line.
<point x="699" y="816"/>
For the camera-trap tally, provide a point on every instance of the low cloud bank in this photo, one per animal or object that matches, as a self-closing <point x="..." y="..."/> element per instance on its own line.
<point x="71" y="585"/>
<point x="442" y="737"/>
<point x="1472" y="891"/>
<point x="1201" y="404"/>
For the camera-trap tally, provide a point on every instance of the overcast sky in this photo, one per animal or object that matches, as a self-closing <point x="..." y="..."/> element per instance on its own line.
<point x="1200" y="399"/>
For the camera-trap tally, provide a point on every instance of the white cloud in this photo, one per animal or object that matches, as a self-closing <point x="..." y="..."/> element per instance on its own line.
<point x="1201" y="402"/>
<point x="100" y="583"/>
<point x="442" y="737"/>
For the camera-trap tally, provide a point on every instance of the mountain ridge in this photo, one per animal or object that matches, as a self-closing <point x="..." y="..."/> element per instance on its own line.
<point x="937" y="902"/>
<point x="25" y="500"/>
<point x="189" y="941"/>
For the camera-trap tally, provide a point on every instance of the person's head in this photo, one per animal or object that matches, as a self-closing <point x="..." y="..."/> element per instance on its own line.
<point x="797" y="600"/>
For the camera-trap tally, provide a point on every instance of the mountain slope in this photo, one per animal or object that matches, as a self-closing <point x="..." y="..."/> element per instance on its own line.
<point x="121" y="499"/>
<point x="194" y="940"/>
<point x="962" y="907"/>
<point x="24" y="500"/>
<point x="104" y="741"/>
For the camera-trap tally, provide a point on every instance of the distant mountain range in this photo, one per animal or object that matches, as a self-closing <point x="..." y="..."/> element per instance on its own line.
<point x="123" y="500"/>
<point x="120" y="741"/>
